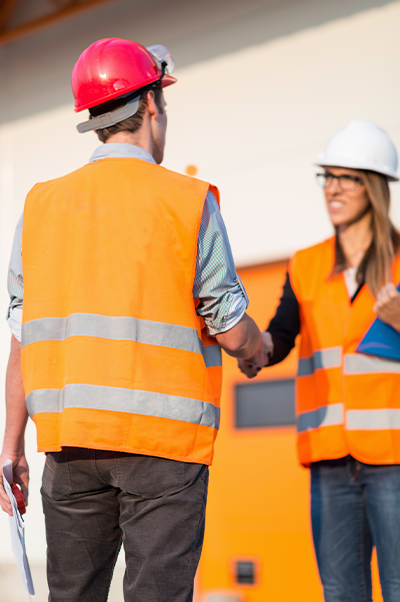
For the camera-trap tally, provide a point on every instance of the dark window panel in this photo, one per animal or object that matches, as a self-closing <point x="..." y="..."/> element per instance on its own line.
<point x="245" y="572"/>
<point x="266" y="403"/>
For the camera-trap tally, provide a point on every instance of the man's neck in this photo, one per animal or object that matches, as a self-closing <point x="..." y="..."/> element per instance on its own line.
<point x="128" y="138"/>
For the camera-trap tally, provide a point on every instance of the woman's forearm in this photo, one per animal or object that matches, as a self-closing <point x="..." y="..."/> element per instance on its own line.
<point x="285" y="325"/>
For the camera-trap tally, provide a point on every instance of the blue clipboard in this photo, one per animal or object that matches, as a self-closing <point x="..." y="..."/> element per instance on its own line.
<point x="381" y="340"/>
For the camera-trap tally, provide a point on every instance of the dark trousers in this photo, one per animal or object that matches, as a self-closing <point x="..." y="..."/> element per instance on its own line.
<point x="95" y="500"/>
<point x="356" y="506"/>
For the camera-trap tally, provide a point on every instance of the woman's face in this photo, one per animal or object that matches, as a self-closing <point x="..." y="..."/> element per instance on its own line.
<point x="345" y="195"/>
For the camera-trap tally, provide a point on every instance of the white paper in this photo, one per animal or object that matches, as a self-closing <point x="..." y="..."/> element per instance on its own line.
<point x="17" y="531"/>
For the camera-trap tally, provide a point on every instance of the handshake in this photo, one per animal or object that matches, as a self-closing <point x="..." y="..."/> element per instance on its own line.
<point x="252" y="365"/>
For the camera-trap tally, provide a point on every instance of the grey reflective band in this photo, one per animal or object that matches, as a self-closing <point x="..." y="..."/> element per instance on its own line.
<point x="320" y="360"/>
<point x="328" y="358"/>
<point x="119" y="328"/>
<point x="305" y="366"/>
<point x="212" y="356"/>
<point x="359" y="363"/>
<point x="131" y="401"/>
<point x="116" y="328"/>
<point x="108" y="119"/>
<point x="323" y="416"/>
<point x="372" y="420"/>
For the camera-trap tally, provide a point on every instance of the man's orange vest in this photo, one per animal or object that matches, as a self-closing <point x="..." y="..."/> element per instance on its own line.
<point x="347" y="402"/>
<point x="114" y="356"/>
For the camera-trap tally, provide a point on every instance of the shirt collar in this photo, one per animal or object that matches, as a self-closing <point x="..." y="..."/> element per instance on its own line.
<point x="120" y="150"/>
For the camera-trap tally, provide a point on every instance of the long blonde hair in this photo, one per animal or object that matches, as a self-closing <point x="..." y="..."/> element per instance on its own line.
<point x="375" y="267"/>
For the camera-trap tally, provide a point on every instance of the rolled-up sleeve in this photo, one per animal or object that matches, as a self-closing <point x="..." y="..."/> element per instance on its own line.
<point x="221" y="294"/>
<point x="15" y="284"/>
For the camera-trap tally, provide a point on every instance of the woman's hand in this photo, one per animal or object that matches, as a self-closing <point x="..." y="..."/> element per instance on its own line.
<point x="387" y="306"/>
<point x="253" y="365"/>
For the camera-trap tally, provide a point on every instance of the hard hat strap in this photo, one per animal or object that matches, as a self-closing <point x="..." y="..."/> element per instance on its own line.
<point x="106" y="120"/>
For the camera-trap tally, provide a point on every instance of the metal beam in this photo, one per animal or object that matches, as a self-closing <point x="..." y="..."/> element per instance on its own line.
<point x="71" y="10"/>
<point x="5" y="11"/>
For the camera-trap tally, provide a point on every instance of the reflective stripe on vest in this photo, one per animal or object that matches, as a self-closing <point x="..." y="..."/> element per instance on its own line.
<point x="118" y="328"/>
<point x="322" y="359"/>
<point x="212" y="356"/>
<point x="94" y="397"/>
<point x="323" y="416"/>
<point x="358" y="363"/>
<point x="369" y="420"/>
<point x="131" y="401"/>
<point x="372" y="420"/>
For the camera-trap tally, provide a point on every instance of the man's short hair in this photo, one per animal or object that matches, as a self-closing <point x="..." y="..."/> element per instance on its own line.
<point x="131" y="124"/>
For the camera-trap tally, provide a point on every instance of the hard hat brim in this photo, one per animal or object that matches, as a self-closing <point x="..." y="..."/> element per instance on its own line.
<point x="391" y="176"/>
<point x="168" y="80"/>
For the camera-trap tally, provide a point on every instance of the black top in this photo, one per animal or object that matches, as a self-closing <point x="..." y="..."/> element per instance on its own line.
<point x="285" y="325"/>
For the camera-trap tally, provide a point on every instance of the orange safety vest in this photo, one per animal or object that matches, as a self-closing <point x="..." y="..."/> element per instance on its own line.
<point x="346" y="402"/>
<point x="114" y="356"/>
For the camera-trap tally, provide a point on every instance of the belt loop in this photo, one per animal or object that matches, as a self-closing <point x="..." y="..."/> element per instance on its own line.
<point x="357" y="467"/>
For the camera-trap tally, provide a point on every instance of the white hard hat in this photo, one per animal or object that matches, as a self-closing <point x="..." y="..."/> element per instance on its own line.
<point x="361" y="145"/>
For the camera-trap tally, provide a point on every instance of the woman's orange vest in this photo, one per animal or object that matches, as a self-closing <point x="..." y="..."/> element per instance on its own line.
<point x="114" y="356"/>
<point x="346" y="402"/>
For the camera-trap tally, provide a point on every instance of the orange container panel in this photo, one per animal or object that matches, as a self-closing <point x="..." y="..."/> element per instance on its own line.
<point x="258" y="509"/>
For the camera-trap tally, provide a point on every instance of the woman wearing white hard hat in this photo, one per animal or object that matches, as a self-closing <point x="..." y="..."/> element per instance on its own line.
<point x="347" y="402"/>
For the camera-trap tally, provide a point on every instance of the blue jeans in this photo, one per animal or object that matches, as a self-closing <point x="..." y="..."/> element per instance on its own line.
<point x="356" y="506"/>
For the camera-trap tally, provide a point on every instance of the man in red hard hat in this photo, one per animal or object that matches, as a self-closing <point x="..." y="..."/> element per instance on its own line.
<point x="129" y="290"/>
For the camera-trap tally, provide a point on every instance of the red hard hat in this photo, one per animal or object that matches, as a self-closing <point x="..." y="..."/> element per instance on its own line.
<point x="111" y="68"/>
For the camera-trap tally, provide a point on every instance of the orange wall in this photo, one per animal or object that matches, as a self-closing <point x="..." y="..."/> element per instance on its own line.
<point x="259" y="499"/>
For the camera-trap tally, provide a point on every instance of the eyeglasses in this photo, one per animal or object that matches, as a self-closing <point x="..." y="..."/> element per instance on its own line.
<point x="346" y="182"/>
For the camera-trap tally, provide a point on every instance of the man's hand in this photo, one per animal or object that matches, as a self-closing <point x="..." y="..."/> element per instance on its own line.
<point x="387" y="306"/>
<point x="243" y="340"/>
<point x="21" y="477"/>
<point x="251" y="366"/>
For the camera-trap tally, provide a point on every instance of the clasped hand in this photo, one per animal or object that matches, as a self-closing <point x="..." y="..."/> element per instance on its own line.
<point x="387" y="306"/>
<point x="251" y="366"/>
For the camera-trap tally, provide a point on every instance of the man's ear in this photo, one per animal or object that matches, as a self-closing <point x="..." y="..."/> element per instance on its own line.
<point x="151" y="104"/>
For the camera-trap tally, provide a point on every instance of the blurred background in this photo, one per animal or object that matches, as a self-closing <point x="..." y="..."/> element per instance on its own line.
<point x="262" y="86"/>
